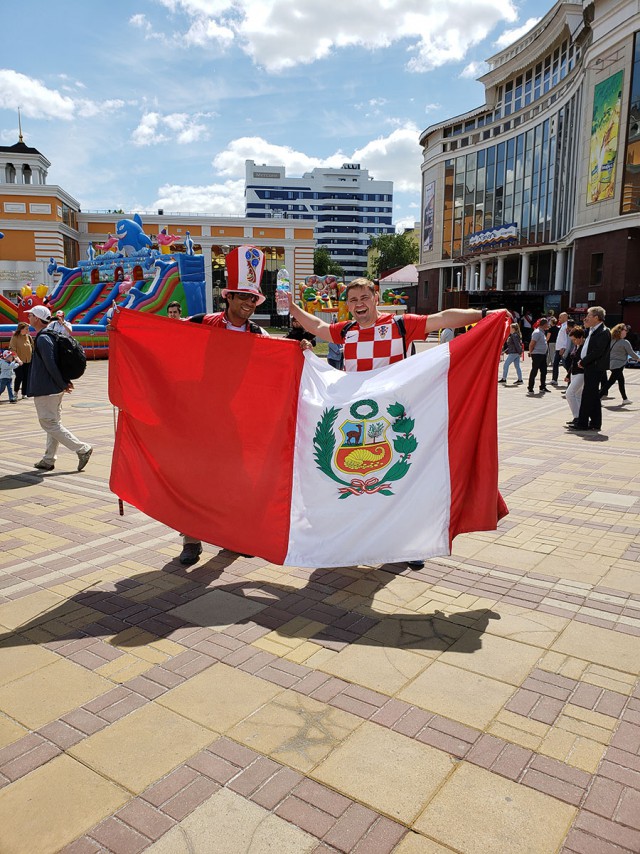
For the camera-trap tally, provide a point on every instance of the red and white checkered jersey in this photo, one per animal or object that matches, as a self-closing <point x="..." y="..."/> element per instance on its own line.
<point x="378" y="345"/>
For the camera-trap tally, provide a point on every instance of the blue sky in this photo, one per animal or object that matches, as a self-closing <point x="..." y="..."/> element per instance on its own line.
<point x="141" y="104"/>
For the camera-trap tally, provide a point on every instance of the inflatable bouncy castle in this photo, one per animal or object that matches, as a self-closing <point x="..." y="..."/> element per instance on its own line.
<point x="126" y="272"/>
<point x="324" y="296"/>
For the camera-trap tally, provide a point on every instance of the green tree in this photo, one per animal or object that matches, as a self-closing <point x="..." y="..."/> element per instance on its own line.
<point x="394" y="250"/>
<point x="324" y="264"/>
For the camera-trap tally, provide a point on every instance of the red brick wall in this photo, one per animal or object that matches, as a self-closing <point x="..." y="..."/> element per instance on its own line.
<point x="620" y="270"/>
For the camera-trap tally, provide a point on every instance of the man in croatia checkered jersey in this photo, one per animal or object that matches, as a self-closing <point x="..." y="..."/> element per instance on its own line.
<point x="375" y="339"/>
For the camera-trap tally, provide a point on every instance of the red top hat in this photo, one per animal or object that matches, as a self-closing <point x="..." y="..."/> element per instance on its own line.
<point x="244" y="272"/>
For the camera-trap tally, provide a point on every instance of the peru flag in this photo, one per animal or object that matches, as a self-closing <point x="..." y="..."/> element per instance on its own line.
<point x="242" y="441"/>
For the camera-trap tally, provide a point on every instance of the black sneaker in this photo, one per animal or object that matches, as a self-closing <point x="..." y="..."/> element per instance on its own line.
<point x="502" y="381"/>
<point x="83" y="459"/>
<point x="43" y="466"/>
<point x="190" y="554"/>
<point x="415" y="564"/>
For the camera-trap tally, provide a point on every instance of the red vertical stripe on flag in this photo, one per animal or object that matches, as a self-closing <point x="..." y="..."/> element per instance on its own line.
<point x="206" y="429"/>
<point x="476" y="504"/>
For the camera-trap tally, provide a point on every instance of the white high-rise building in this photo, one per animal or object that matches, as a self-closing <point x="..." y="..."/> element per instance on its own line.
<point x="349" y="206"/>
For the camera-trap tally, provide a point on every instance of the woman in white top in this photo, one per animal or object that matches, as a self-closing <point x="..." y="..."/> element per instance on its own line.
<point x="620" y="351"/>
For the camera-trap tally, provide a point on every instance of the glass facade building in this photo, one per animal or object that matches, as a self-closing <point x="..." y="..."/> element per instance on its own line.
<point x="538" y="190"/>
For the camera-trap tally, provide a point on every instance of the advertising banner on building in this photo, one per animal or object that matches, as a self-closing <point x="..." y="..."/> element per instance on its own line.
<point x="603" y="151"/>
<point x="429" y="213"/>
<point x="493" y="238"/>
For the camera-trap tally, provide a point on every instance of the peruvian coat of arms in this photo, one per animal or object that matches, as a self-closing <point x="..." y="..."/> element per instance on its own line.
<point x="362" y="446"/>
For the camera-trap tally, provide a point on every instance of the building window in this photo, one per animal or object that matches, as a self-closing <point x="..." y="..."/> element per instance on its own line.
<point x="596" y="269"/>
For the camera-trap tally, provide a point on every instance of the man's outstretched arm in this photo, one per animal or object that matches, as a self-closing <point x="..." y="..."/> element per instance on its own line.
<point x="312" y="324"/>
<point x="454" y="318"/>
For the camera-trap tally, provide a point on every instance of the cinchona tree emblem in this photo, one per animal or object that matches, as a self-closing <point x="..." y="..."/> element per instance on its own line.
<point x="361" y="447"/>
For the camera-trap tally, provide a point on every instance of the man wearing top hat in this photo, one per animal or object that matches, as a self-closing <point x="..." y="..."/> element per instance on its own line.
<point x="243" y="295"/>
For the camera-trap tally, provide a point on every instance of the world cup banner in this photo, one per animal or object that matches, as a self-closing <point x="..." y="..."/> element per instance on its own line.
<point x="246" y="443"/>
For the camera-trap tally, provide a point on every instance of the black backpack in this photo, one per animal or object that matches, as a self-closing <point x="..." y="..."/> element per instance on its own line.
<point x="69" y="356"/>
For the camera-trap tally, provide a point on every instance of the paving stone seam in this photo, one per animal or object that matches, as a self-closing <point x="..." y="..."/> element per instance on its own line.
<point x="340" y="821"/>
<point x="609" y="817"/>
<point x="411" y="721"/>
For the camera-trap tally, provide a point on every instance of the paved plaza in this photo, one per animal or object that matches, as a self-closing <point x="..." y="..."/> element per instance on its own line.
<point x="488" y="704"/>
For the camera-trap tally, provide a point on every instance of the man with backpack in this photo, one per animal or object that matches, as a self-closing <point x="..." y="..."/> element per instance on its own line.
<point x="47" y="386"/>
<point x="374" y="339"/>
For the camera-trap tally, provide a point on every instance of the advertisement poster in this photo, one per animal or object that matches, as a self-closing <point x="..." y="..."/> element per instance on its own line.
<point x="429" y="212"/>
<point x="605" y="126"/>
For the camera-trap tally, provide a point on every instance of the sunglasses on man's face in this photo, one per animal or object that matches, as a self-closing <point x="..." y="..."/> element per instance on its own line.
<point x="244" y="297"/>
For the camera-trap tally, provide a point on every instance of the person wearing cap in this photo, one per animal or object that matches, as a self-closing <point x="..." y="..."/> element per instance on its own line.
<point x="60" y="325"/>
<point x="47" y="387"/>
<point x="243" y="295"/>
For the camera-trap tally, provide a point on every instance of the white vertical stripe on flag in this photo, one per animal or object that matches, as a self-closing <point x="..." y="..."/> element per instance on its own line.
<point x="371" y="527"/>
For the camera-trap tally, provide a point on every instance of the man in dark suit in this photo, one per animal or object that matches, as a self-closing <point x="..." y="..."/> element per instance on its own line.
<point x="595" y="362"/>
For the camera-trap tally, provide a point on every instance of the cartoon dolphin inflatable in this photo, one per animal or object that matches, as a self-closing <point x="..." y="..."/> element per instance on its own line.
<point x="130" y="235"/>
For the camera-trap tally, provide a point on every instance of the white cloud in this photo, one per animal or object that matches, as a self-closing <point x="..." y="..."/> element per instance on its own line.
<point x="510" y="36"/>
<point x="226" y="198"/>
<point x="474" y="70"/>
<point x="231" y="161"/>
<point x="88" y="109"/>
<point x="37" y="101"/>
<point x="404" y="223"/>
<point x="33" y="97"/>
<point x="395" y="157"/>
<point x="154" y="128"/>
<point x="281" y="34"/>
<point x="141" y="22"/>
<point x="429" y="108"/>
<point x="147" y="132"/>
<point x="205" y="30"/>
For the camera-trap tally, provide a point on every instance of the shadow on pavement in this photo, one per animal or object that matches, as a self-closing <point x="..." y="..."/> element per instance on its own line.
<point x="210" y="602"/>
<point x="20" y="479"/>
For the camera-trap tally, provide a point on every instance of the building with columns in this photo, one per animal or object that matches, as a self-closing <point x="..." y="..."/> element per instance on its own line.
<point x="42" y="221"/>
<point x="532" y="200"/>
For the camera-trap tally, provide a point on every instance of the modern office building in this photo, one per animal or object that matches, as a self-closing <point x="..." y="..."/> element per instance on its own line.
<point x="532" y="200"/>
<point x="348" y="205"/>
<point x="41" y="221"/>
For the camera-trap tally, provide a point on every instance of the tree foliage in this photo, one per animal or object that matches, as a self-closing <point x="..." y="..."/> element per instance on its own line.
<point x="324" y="264"/>
<point x="394" y="250"/>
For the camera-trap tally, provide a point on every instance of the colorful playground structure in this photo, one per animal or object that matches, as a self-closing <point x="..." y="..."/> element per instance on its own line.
<point x="133" y="276"/>
<point x="325" y="297"/>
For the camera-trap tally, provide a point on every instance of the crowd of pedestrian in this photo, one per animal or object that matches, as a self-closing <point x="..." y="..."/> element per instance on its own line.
<point x="592" y="360"/>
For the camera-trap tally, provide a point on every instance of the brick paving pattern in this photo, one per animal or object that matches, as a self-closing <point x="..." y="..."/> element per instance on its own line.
<point x="340" y="709"/>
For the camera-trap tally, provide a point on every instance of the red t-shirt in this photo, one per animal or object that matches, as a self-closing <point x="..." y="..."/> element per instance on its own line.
<point x="378" y="345"/>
